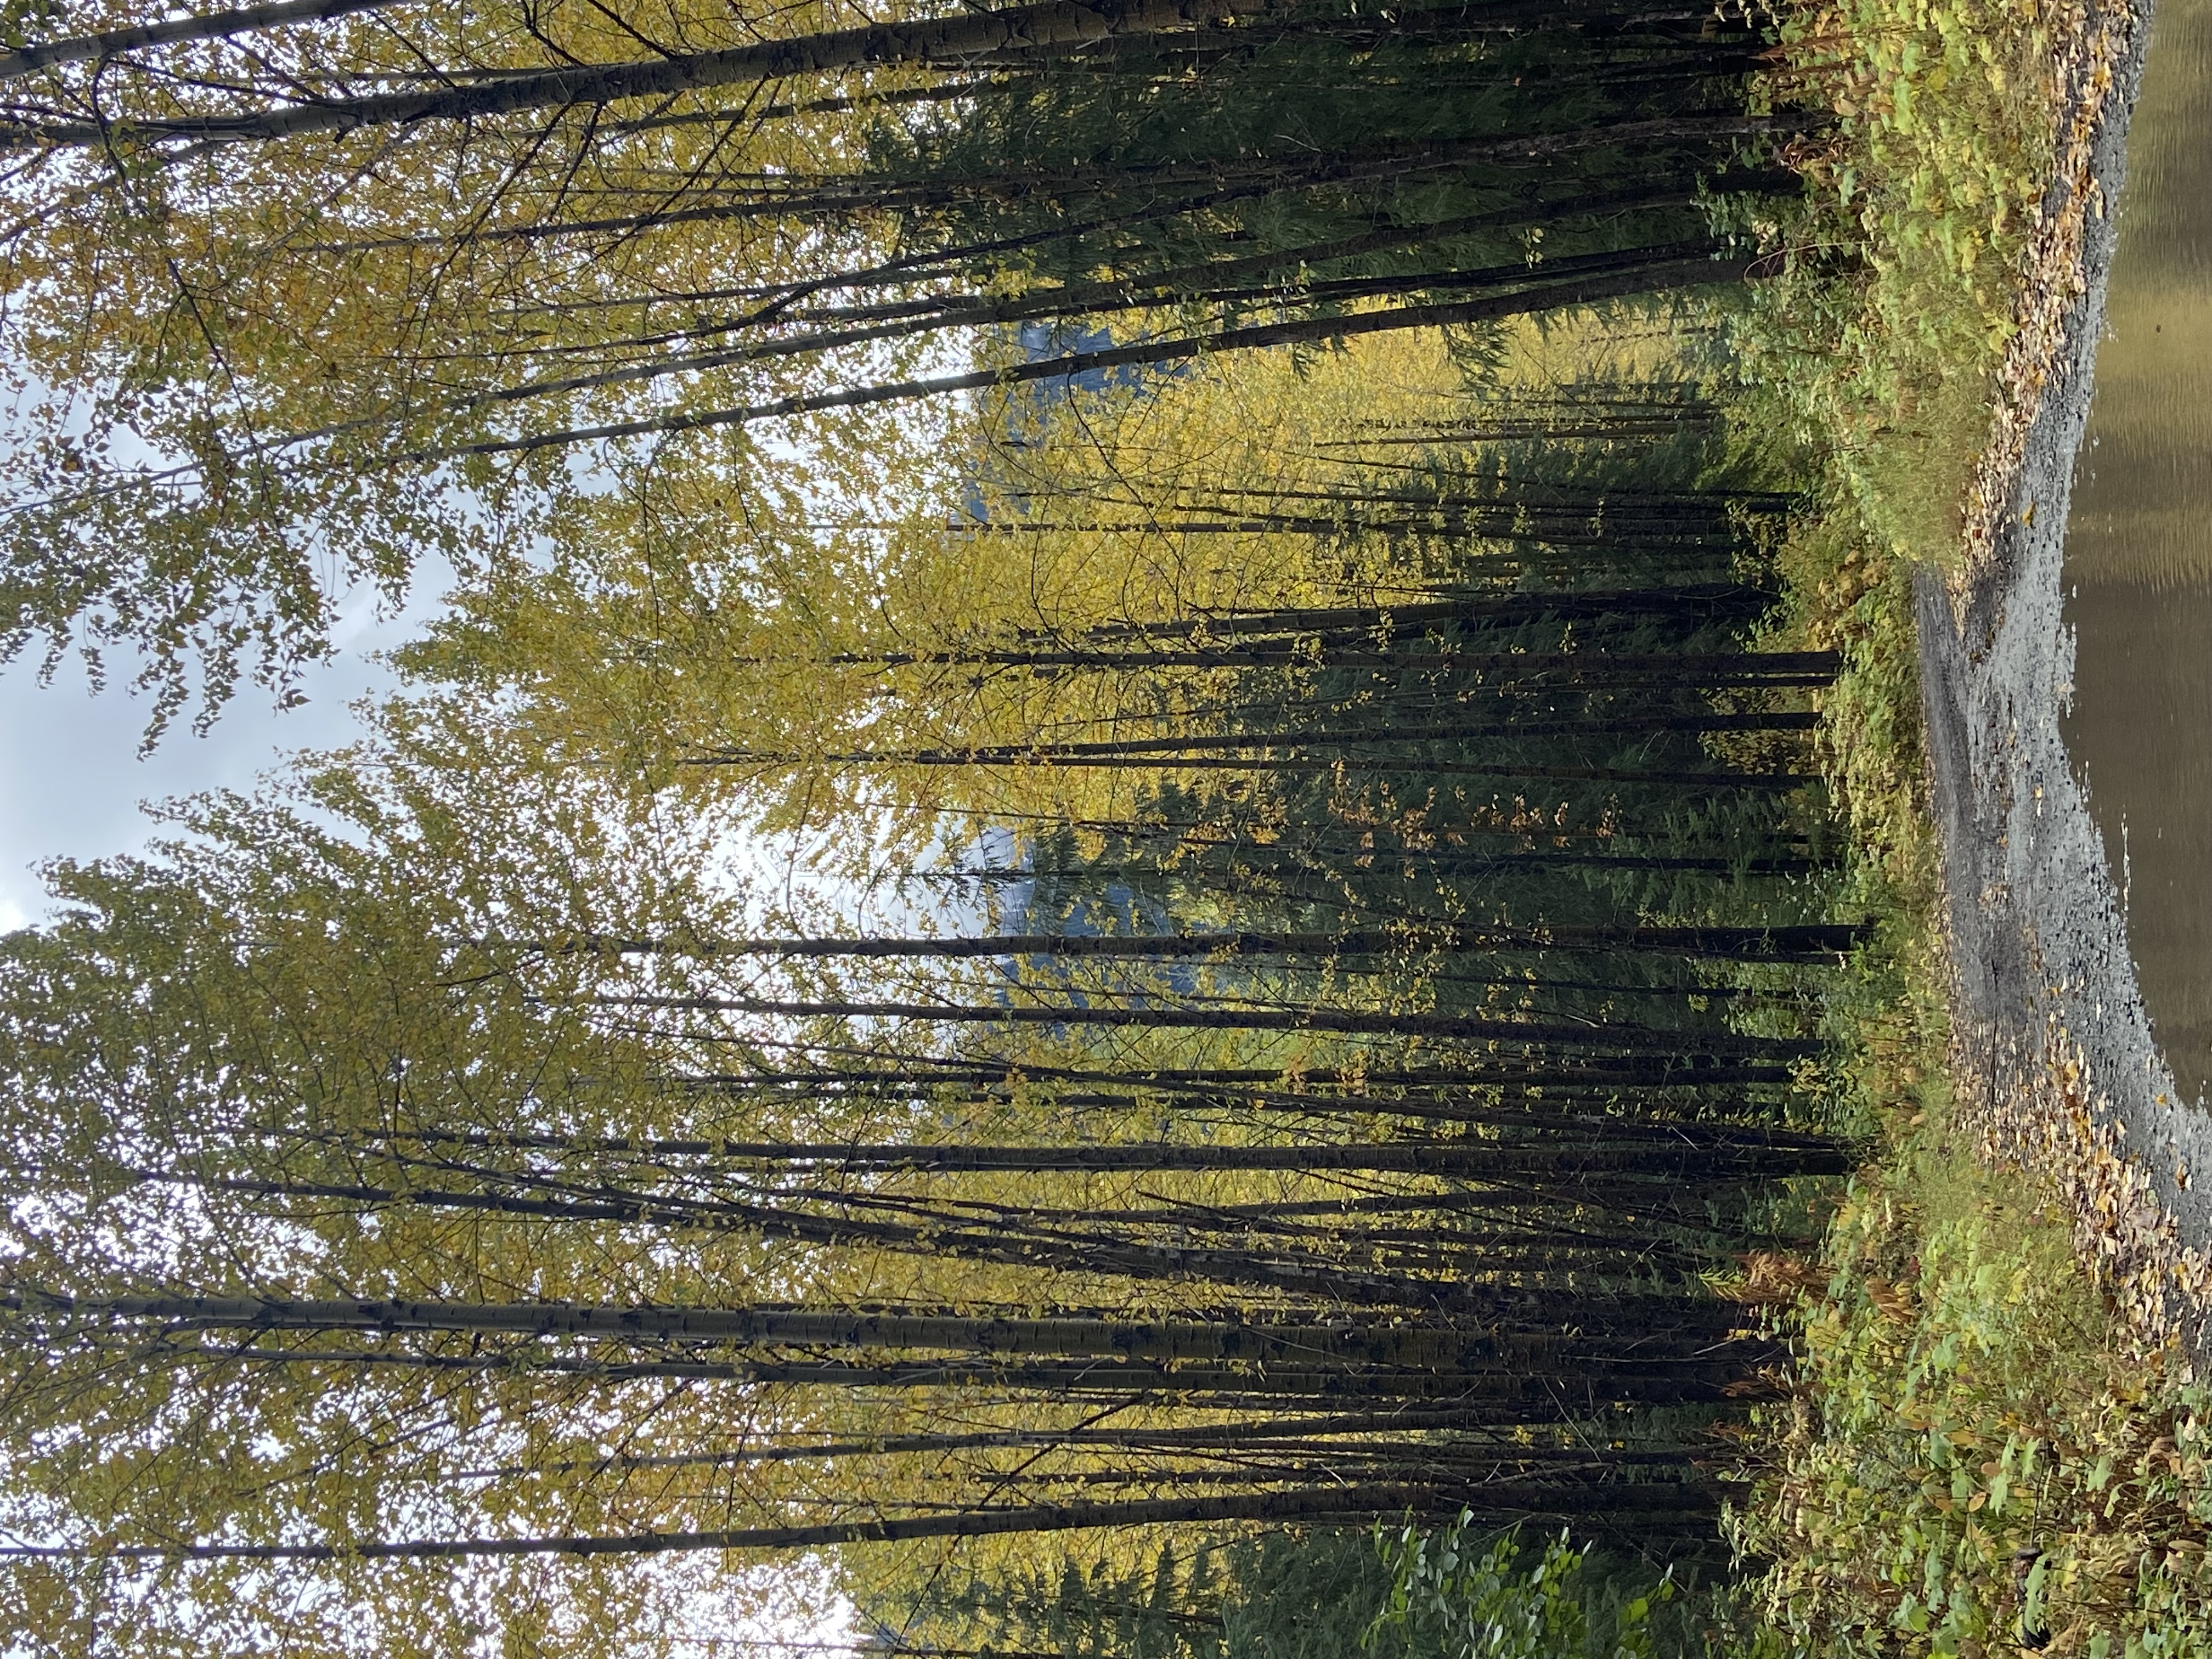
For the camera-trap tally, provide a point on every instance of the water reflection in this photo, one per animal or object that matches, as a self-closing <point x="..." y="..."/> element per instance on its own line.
<point x="2139" y="548"/>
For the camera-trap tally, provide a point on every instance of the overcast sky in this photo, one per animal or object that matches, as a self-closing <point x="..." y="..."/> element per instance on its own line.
<point x="70" y="778"/>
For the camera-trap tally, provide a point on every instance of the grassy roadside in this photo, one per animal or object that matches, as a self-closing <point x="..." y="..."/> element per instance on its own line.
<point x="1879" y="336"/>
<point x="1975" y="1457"/>
<point x="1972" y="1461"/>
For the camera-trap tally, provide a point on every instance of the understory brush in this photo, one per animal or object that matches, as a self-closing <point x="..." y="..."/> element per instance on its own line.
<point x="1973" y="1456"/>
<point x="1892" y="284"/>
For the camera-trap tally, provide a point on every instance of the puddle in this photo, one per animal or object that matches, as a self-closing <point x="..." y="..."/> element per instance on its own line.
<point x="2139" y="549"/>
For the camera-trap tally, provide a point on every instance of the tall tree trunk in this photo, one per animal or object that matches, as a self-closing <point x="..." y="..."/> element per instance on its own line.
<point x="1122" y="751"/>
<point x="1562" y="1127"/>
<point x="1567" y="668"/>
<point x="1786" y="943"/>
<point x="1687" y="778"/>
<point x="1354" y="623"/>
<point x="1006" y="1241"/>
<point x="1538" y="297"/>
<point x="214" y="26"/>
<point x="1306" y="1434"/>
<point x="1630" y="1038"/>
<point x="950" y="42"/>
<point x="1594" y="1378"/>
<point x="1038" y="304"/>
<point x="1651" y="1502"/>
<point x="1280" y="1343"/>
<point x="1351" y="1271"/>
<point x="1458" y="1157"/>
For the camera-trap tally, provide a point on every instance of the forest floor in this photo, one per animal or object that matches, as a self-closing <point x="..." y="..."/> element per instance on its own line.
<point x="1994" y="1440"/>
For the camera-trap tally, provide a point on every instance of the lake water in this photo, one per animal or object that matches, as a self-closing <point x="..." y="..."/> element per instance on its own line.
<point x="2139" y="548"/>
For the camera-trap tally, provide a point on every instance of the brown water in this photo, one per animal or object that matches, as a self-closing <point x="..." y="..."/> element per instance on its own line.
<point x="2139" y="548"/>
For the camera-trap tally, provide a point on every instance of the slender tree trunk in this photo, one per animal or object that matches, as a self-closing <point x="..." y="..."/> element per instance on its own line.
<point x="1138" y="750"/>
<point x="1279" y="1343"/>
<point x="1681" y="779"/>
<point x="1053" y="303"/>
<point x="1182" y="278"/>
<point x="1648" y="1501"/>
<point x="1458" y="1157"/>
<point x="1162" y="837"/>
<point x="1355" y="622"/>
<point x="1553" y="1126"/>
<point x="1099" y="1241"/>
<point x="950" y="42"/>
<point x="1631" y="1038"/>
<point x="1383" y="860"/>
<point x="1258" y="1089"/>
<point x="1571" y="668"/>
<point x="1004" y="1241"/>
<point x="1306" y="1435"/>
<point x="1234" y="179"/>
<point x="215" y="25"/>
<point x="1595" y="1376"/>
<point x="1782" y="942"/>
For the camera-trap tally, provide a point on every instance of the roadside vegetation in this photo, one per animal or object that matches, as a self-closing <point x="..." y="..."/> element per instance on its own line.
<point x="1879" y="336"/>
<point x="1975" y="1456"/>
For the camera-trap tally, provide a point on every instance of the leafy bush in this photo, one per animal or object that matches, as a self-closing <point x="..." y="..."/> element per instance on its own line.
<point x="1974" y="1457"/>
<point x="1452" y="1598"/>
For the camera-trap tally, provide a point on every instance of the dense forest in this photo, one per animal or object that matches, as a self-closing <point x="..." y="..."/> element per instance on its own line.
<point x="1100" y="925"/>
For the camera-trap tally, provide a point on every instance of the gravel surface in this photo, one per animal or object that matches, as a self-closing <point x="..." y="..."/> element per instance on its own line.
<point x="2053" y="1054"/>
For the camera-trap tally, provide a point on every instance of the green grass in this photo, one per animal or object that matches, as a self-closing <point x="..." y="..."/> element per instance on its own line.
<point x="1878" y="339"/>
<point x="1968" y="1424"/>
